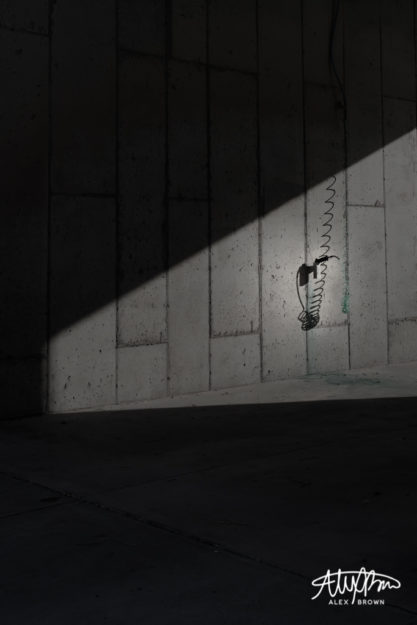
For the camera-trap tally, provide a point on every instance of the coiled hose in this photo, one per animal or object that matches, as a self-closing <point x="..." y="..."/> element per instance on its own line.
<point x="310" y="315"/>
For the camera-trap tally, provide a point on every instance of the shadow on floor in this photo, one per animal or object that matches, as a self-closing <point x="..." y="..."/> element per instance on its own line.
<point x="208" y="515"/>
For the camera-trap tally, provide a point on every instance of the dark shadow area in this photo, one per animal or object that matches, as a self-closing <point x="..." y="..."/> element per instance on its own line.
<point x="239" y="139"/>
<point x="289" y="489"/>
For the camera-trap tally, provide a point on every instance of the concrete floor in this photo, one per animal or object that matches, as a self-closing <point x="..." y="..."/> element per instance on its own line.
<point x="207" y="515"/>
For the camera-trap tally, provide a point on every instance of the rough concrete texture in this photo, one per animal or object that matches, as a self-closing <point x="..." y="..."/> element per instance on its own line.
<point x="402" y="340"/>
<point x="188" y="288"/>
<point x="235" y="360"/>
<point x="335" y="356"/>
<point x="401" y="216"/>
<point x="369" y="383"/>
<point x="82" y="356"/>
<point x="368" y="299"/>
<point x="284" y="346"/>
<point x="192" y="146"/>
<point x="214" y="515"/>
<point x="142" y="372"/>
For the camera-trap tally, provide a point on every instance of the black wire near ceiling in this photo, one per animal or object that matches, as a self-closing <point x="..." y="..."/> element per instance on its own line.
<point x="332" y="64"/>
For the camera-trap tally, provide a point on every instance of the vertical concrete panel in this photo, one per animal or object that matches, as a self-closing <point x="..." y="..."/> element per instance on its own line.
<point x="142" y="25"/>
<point x="326" y="192"/>
<point x="83" y="318"/>
<point x="29" y="15"/>
<point x="24" y="215"/>
<point x="187" y="138"/>
<point x="234" y="227"/>
<point x="142" y="281"/>
<point x="363" y="95"/>
<point x="189" y="29"/>
<point x="232" y="28"/>
<point x="398" y="54"/>
<point x="401" y="214"/>
<point x="235" y="361"/>
<point x="83" y="96"/>
<point x="367" y="286"/>
<point x="282" y="184"/>
<point x="403" y="340"/>
<point x="188" y="313"/>
<point x="142" y="372"/>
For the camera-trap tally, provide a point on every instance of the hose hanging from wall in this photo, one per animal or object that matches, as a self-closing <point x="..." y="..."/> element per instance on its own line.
<point x="310" y="315"/>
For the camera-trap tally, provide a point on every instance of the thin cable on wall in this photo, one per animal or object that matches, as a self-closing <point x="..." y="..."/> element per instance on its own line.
<point x="332" y="64"/>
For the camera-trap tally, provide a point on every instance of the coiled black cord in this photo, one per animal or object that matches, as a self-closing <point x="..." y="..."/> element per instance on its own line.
<point x="310" y="315"/>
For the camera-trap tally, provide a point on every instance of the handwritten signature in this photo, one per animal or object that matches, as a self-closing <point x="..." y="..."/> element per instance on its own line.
<point x="356" y="582"/>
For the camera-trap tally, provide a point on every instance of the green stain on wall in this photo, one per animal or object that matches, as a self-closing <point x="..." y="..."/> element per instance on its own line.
<point x="342" y="378"/>
<point x="345" y="303"/>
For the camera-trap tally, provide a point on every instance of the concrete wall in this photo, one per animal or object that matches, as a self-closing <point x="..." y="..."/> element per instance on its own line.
<point x="167" y="164"/>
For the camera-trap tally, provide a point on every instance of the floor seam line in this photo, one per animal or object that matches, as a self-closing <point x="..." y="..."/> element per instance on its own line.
<point x="150" y="523"/>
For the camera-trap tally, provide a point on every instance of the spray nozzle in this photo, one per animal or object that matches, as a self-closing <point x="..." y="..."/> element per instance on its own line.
<point x="305" y="270"/>
<point x="323" y="259"/>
